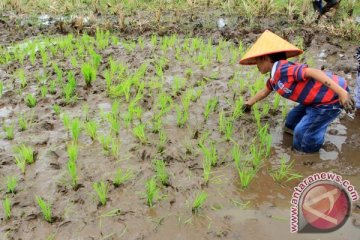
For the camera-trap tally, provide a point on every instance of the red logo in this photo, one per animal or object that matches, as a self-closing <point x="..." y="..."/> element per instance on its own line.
<point x="325" y="207"/>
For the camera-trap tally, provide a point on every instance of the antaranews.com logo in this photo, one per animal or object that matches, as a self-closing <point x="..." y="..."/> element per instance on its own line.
<point x="321" y="203"/>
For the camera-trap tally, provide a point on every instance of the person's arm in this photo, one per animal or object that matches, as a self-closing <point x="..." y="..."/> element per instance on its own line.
<point x="344" y="96"/>
<point x="263" y="93"/>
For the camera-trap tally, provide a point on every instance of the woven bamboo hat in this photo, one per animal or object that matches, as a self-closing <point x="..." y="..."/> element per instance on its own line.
<point x="266" y="44"/>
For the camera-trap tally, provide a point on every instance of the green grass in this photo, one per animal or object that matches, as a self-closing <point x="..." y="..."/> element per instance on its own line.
<point x="199" y="201"/>
<point x="101" y="189"/>
<point x="45" y="208"/>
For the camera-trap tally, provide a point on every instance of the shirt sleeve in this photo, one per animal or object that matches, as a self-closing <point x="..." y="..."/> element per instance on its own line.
<point x="269" y="86"/>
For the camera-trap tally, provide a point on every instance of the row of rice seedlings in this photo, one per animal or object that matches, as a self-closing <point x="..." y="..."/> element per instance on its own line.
<point x="24" y="155"/>
<point x="101" y="189"/>
<point x="45" y="208"/>
<point x="285" y="171"/>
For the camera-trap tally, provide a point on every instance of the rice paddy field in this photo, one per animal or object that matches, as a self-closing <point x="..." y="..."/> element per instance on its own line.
<point x="123" y="120"/>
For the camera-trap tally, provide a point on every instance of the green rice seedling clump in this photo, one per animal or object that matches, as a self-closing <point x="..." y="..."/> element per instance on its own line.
<point x="285" y="172"/>
<point x="45" y="208"/>
<point x="152" y="191"/>
<point x="11" y="183"/>
<point x="101" y="189"/>
<point x="161" y="172"/>
<point x="199" y="201"/>
<point x="7" y="208"/>
<point x="121" y="177"/>
<point x="30" y="100"/>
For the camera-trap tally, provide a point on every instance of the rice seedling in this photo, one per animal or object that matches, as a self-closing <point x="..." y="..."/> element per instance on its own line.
<point x="101" y="189"/>
<point x="210" y="154"/>
<point x="246" y="174"/>
<point x="21" y="75"/>
<point x="105" y="141"/>
<point x="182" y="116"/>
<point x="114" y="124"/>
<point x="45" y="208"/>
<point x="44" y="56"/>
<point x="152" y="191"/>
<point x="177" y="85"/>
<point x="256" y="155"/>
<point x="139" y="132"/>
<point x="9" y="131"/>
<point x="66" y="120"/>
<point x="25" y="153"/>
<point x="91" y="129"/>
<point x="285" y="171"/>
<point x="164" y="102"/>
<point x="157" y="123"/>
<point x="229" y="128"/>
<point x="210" y="107"/>
<point x="72" y="169"/>
<point x="24" y="121"/>
<point x="284" y="110"/>
<point x="161" y="172"/>
<point x="154" y="40"/>
<point x="121" y="177"/>
<point x="89" y="73"/>
<point x="43" y="91"/>
<point x="236" y="155"/>
<point x="115" y="149"/>
<point x="69" y="89"/>
<point x="238" y="112"/>
<point x="265" y="139"/>
<point x="11" y="182"/>
<point x="75" y="128"/>
<point x="72" y="150"/>
<point x="199" y="201"/>
<point x="30" y="100"/>
<point x="206" y="170"/>
<point x="162" y="141"/>
<point x="265" y="109"/>
<point x="52" y="87"/>
<point x="7" y="208"/>
<point x="222" y="121"/>
<point x="276" y="101"/>
<point x="20" y="163"/>
<point x="257" y="115"/>
<point x="1" y="88"/>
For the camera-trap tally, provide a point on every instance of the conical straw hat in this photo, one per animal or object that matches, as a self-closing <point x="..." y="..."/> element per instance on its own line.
<point x="269" y="43"/>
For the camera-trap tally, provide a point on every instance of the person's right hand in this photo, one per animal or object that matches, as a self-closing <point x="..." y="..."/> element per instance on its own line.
<point x="246" y="108"/>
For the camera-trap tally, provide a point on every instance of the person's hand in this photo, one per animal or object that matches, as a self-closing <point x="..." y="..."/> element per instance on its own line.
<point x="246" y="108"/>
<point x="347" y="102"/>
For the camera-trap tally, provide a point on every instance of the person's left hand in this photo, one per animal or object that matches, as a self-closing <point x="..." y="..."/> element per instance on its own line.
<point x="348" y="103"/>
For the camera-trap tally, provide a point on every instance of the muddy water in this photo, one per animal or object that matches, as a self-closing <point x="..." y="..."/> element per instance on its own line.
<point x="259" y="212"/>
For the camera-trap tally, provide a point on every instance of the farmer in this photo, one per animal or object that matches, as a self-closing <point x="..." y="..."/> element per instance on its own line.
<point x="318" y="6"/>
<point x="321" y="96"/>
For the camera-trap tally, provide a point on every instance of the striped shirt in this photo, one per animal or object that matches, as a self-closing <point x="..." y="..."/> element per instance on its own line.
<point x="288" y="79"/>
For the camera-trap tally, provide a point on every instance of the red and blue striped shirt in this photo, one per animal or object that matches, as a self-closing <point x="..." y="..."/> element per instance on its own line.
<point x="288" y="79"/>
